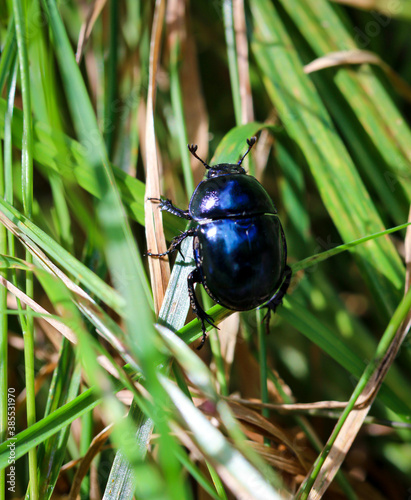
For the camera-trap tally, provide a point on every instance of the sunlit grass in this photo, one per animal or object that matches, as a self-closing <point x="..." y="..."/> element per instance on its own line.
<point x="107" y="400"/>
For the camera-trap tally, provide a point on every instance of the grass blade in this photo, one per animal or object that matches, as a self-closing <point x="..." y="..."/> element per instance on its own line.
<point x="308" y="124"/>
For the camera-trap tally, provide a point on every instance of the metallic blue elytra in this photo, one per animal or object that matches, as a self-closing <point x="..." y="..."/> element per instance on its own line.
<point x="240" y="252"/>
<point x="239" y="245"/>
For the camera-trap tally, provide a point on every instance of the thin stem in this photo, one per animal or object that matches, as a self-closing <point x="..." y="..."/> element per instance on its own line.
<point x="232" y="58"/>
<point x="3" y="343"/>
<point x="177" y="104"/>
<point x="5" y="166"/>
<point x="8" y="53"/>
<point x="111" y="79"/>
<point x="216" y="350"/>
<point x="27" y="196"/>
<point x="262" y="354"/>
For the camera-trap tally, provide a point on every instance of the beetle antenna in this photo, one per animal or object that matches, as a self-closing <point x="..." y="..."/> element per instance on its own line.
<point x="193" y="148"/>
<point x="250" y="143"/>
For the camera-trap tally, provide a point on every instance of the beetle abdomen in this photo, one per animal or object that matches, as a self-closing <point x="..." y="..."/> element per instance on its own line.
<point x="241" y="260"/>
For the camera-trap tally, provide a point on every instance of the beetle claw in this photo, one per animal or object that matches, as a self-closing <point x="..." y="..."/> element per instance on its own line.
<point x="210" y="321"/>
<point x="266" y="319"/>
<point x="181" y="253"/>
<point x="203" y="339"/>
<point x="205" y="317"/>
<point x="277" y="299"/>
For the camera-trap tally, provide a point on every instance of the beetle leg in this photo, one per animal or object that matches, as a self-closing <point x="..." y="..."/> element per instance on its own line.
<point x="277" y="299"/>
<point x="194" y="277"/>
<point x="167" y="206"/>
<point x="175" y="244"/>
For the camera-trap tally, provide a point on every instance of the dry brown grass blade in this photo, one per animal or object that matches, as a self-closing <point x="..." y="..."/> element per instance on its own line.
<point x="249" y="381"/>
<point x="25" y="299"/>
<point x="353" y="424"/>
<point x="241" y="42"/>
<point x="294" y="407"/>
<point x="357" y="416"/>
<point x="195" y="113"/>
<point x="159" y="268"/>
<point x="228" y="341"/>
<point x="82" y="299"/>
<point x="263" y="147"/>
<point x="48" y="265"/>
<point x="277" y="459"/>
<point x="85" y="463"/>
<point x="87" y="26"/>
<point x="175" y="15"/>
<point x="186" y="440"/>
<point x="271" y="430"/>
<point x="53" y="337"/>
<point x="345" y="57"/>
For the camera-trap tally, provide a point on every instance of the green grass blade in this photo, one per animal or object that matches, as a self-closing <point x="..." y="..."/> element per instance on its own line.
<point x="181" y="132"/>
<point x="26" y="228"/>
<point x="245" y="478"/>
<point x="315" y="259"/>
<point x="27" y="196"/>
<point x="361" y="88"/>
<point x="319" y="334"/>
<point x="110" y="114"/>
<point x="8" y="53"/>
<point x="308" y="125"/>
<point x="227" y="7"/>
<point x="200" y="376"/>
<point x="122" y="254"/>
<point x="173" y="314"/>
<point x="234" y="142"/>
<point x="52" y="452"/>
<point x="400" y="314"/>
<point x="43" y="429"/>
<point x="65" y="156"/>
<point x="394" y="395"/>
<point x="6" y="192"/>
<point x="4" y="394"/>
<point x="121" y="482"/>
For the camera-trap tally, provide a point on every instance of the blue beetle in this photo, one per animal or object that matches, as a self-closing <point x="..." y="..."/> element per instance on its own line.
<point x="240" y="250"/>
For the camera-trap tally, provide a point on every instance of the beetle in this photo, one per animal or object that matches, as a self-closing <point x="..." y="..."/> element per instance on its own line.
<point x="239" y="245"/>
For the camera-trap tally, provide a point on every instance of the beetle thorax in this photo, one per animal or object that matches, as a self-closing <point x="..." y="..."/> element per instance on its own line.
<point x="224" y="169"/>
<point x="230" y="195"/>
